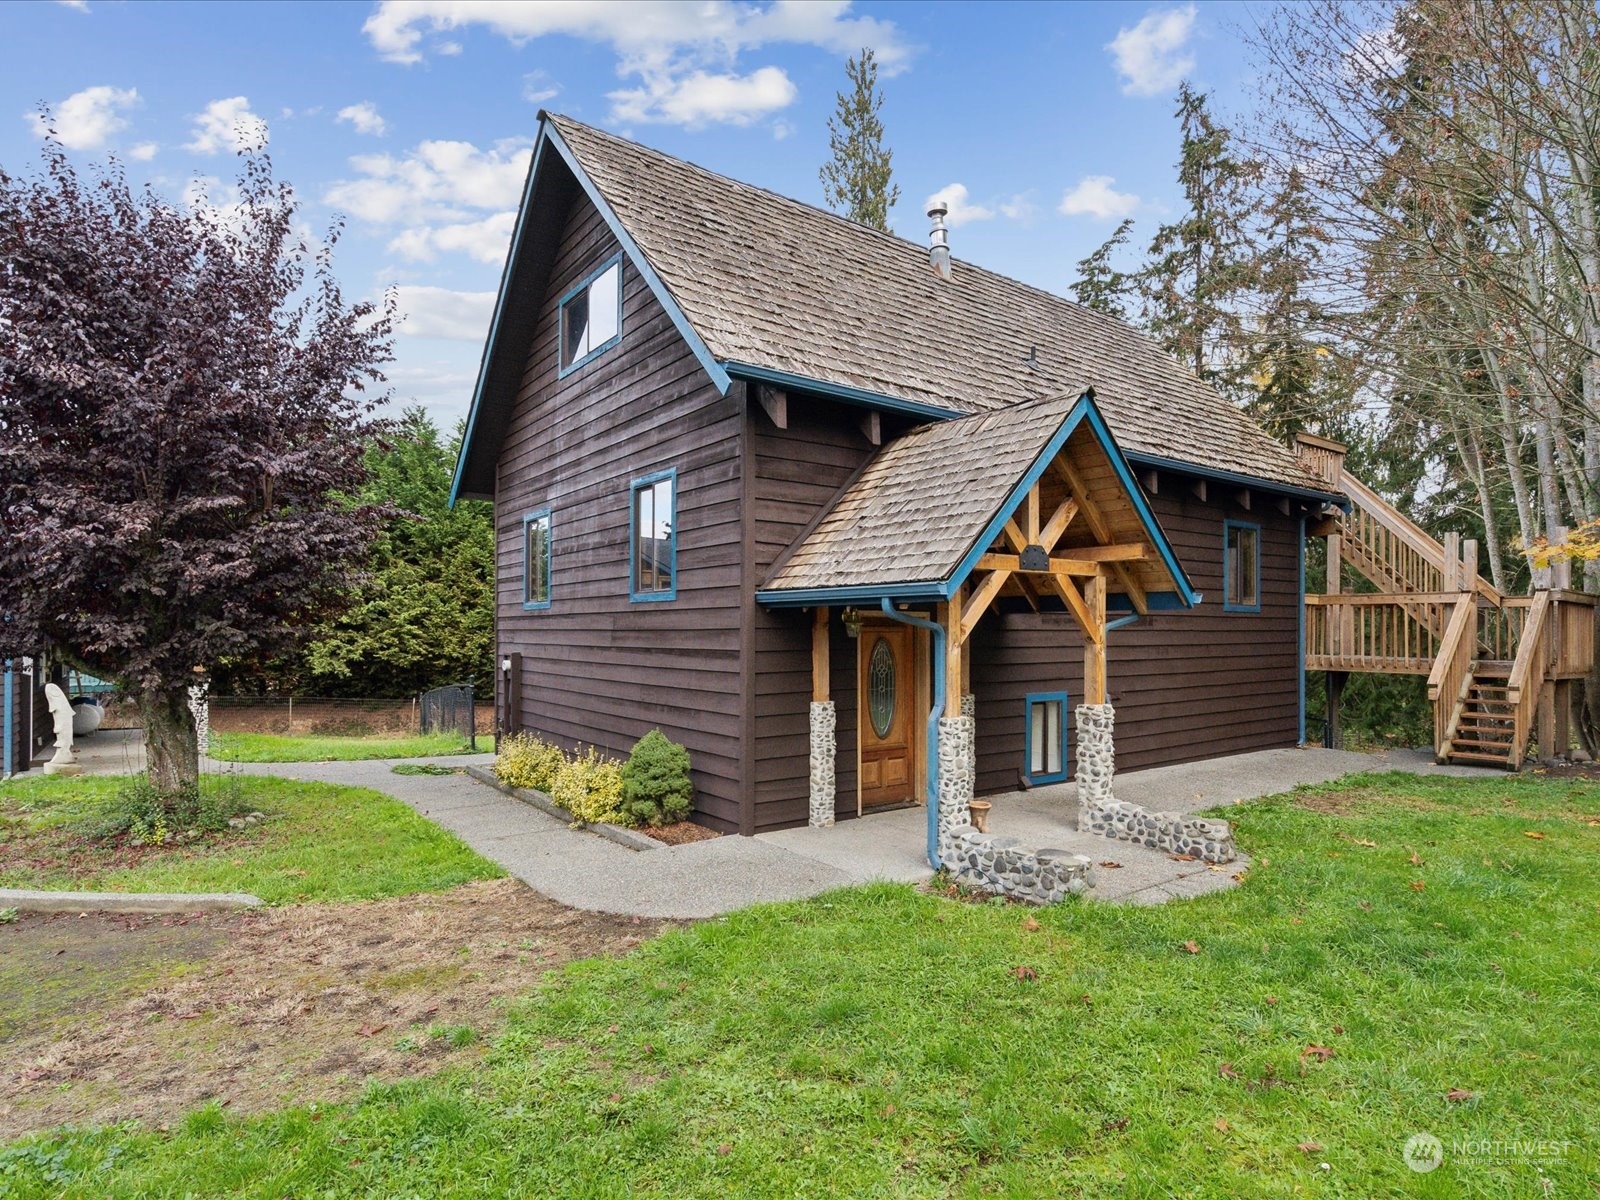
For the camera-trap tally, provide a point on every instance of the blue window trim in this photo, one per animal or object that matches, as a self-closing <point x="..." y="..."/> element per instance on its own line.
<point x="1227" y="590"/>
<point x="671" y="593"/>
<point x="530" y="605"/>
<point x="561" y="318"/>
<point x="1027" y="737"/>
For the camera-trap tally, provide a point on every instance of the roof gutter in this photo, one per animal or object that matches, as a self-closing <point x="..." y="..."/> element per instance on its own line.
<point x="1251" y="481"/>
<point x="941" y="672"/>
<point x="841" y="392"/>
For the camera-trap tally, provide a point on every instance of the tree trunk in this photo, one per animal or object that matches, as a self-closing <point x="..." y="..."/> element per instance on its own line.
<point x="172" y="752"/>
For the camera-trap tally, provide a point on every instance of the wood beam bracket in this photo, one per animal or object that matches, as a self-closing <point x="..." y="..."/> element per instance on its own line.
<point x="775" y="403"/>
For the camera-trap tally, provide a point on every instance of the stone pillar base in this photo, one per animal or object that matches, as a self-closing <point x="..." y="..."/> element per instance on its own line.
<point x="969" y="710"/>
<point x="824" y="751"/>
<point x="955" y="775"/>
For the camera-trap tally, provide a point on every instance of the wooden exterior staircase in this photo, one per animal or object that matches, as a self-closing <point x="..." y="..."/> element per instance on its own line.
<point x="1499" y="667"/>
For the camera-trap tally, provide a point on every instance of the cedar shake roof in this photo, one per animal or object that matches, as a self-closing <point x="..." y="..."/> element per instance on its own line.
<point x="931" y="497"/>
<point x="772" y="283"/>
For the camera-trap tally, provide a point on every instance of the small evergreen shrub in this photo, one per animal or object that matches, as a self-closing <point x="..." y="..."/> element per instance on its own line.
<point x="525" y="761"/>
<point x="589" y="787"/>
<point x="656" y="788"/>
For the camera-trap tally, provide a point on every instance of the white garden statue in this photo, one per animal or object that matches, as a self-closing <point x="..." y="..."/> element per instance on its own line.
<point x="65" y="761"/>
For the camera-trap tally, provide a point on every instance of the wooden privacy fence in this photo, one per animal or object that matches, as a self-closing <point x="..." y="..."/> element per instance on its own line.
<point x="316" y="716"/>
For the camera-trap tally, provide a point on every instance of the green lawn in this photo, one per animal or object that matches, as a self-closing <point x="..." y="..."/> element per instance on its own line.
<point x="883" y="1042"/>
<point x="321" y="842"/>
<point x="271" y="747"/>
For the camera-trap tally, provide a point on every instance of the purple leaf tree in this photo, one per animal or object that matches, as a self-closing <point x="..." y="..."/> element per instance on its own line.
<point x="185" y="398"/>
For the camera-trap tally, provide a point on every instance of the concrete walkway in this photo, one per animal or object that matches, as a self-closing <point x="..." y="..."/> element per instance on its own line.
<point x="704" y="879"/>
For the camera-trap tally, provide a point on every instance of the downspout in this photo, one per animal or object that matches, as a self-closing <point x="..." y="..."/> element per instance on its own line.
<point x="940" y="669"/>
<point x="1122" y="622"/>
<point x="1300" y="649"/>
<point x="5" y="742"/>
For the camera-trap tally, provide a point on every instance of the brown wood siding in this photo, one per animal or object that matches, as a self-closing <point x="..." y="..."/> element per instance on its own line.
<point x="597" y="668"/>
<point x="797" y="471"/>
<point x="1185" y="685"/>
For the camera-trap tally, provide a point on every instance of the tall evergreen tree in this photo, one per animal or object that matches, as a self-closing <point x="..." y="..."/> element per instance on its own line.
<point x="1099" y="285"/>
<point x="856" y="180"/>
<point x="1203" y="264"/>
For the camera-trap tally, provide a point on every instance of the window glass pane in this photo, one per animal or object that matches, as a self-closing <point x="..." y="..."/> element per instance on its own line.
<point x="603" y="308"/>
<point x="1053" y="737"/>
<point x="575" y="329"/>
<point x="1249" y="567"/>
<point x="652" y="519"/>
<point x="1036" y="739"/>
<point x="536" y="561"/>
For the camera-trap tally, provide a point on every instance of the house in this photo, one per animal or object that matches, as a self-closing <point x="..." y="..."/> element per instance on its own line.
<point x="808" y="499"/>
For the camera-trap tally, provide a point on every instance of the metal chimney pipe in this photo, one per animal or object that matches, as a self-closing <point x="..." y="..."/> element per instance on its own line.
<point x="939" y="240"/>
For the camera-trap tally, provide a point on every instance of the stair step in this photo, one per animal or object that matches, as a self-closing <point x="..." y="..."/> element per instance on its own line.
<point x="1496" y="760"/>
<point x="1472" y="745"/>
<point x="1485" y="727"/>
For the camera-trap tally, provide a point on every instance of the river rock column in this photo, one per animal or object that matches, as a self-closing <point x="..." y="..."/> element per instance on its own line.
<point x="955" y="776"/>
<point x="824" y="751"/>
<point x="1096" y="757"/>
<point x="969" y="710"/>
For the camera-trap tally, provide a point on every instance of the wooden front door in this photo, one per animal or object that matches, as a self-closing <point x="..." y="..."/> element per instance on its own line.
<point x="886" y="707"/>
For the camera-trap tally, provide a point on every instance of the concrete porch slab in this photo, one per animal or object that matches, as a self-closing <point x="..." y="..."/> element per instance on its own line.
<point x="892" y="845"/>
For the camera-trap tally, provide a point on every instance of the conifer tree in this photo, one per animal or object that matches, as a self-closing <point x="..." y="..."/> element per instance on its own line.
<point x="856" y="181"/>
<point x="1099" y="285"/>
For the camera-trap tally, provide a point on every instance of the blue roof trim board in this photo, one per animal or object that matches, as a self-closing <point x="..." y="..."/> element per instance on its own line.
<point x="840" y="392"/>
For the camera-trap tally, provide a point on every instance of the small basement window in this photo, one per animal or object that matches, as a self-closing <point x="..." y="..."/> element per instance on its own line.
<point x="591" y="316"/>
<point x="1046" y="738"/>
<point x="655" y="537"/>
<point x="536" y="559"/>
<point x="1241" y="567"/>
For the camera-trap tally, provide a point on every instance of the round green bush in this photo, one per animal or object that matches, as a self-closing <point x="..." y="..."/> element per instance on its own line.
<point x="656" y="788"/>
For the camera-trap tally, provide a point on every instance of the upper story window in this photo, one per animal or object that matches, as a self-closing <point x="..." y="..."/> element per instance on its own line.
<point x="536" y="559"/>
<point x="591" y="316"/>
<point x="655" y="537"/>
<point x="1241" y="567"/>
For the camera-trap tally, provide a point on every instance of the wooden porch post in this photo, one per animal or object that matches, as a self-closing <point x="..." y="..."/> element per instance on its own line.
<point x="821" y="685"/>
<point x="1094" y="641"/>
<point x="950" y="616"/>
<point x="1545" y="729"/>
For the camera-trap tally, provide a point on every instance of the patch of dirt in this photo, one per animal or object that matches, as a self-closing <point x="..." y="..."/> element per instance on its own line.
<point x="1568" y="770"/>
<point x="1349" y="803"/>
<point x="680" y="833"/>
<point x="148" y="1018"/>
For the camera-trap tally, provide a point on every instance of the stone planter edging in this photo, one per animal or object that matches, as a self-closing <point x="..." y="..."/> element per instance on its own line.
<point x="35" y="900"/>
<point x="998" y="864"/>
<point x="1176" y="833"/>
<point x="630" y="838"/>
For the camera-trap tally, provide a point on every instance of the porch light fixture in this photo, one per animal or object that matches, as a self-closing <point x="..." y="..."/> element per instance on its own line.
<point x="852" y="622"/>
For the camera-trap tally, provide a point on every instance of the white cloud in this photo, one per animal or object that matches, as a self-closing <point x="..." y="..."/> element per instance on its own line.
<point x="1020" y="208"/>
<point x="228" y="125"/>
<point x="781" y="130"/>
<point x="76" y="5"/>
<point x="699" y="99"/>
<point x="961" y="209"/>
<point x="1095" y="197"/>
<point x="84" y="120"/>
<point x="684" y="56"/>
<point x="485" y="240"/>
<point x="437" y="181"/>
<point x="441" y="313"/>
<point x="537" y="87"/>
<point x="365" y="117"/>
<point x="1150" y="56"/>
<point x="143" y="151"/>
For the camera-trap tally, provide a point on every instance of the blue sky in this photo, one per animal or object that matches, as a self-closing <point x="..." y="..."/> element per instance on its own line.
<point x="1042" y="124"/>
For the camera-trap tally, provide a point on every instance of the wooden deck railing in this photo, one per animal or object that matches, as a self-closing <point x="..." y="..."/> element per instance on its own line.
<point x="1573" y="635"/>
<point x="1528" y="673"/>
<point x="1406" y="556"/>
<point x="1452" y="672"/>
<point x="1500" y="629"/>
<point x="1397" y="635"/>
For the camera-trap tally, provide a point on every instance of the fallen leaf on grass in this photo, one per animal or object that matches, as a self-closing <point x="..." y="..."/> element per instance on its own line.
<point x="1272" y="999"/>
<point x="1457" y="1095"/>
<point x="724" y="1148"/>
<point x="1030" y="924"/>
<point x="1227" y="1071"/>
<point x="371" y="1030"/>
<point x="1534" y="834"/>
<point x="1192" y="946"/>
<point x="1320" y="1053"/>
<point x="1309" y="1147"/>
<point x="1416" y="859"/>
<point x="1359" y="842"/>
<point x="1221" y="1125"/>
<point x="1418" y="885"/>
<point x="1025" y="974"/>
<point x="1115" y="1126"/>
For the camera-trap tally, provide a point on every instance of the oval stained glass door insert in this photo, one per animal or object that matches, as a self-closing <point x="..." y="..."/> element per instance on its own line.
<point x="880" y="687"/>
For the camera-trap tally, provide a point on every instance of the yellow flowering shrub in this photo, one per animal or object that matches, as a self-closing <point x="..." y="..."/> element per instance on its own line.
<point x="589" y="787"/>
<point x="525" y="761"/>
